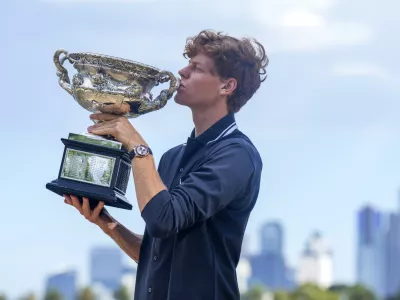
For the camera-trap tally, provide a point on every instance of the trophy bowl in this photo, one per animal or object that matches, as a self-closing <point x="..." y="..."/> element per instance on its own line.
<point x="99" y="167"/>
<point x="114" y="85"/>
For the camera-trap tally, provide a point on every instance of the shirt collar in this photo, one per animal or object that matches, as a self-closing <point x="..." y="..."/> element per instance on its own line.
<point x="221" y="128"/>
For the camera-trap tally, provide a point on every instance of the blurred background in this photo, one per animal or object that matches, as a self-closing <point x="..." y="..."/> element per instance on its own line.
<point x="327" y="221"/>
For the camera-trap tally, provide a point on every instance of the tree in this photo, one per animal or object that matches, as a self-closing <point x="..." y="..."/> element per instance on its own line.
<point x="339" y="288"/>
<point x="313" y="292"/>
<point x="256" y="292"/>
<point x="122" y="293"/>
<point x="359" y="292"/>
<point x="86" y="294"/>
<point x="53" y="294"/>
<point x="281" y="295"/>
<point x="30" y="296"/>
<point x="3" y="297"/>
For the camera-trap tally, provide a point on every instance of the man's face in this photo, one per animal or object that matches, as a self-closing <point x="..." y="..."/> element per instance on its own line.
<point x="200" y="85"/>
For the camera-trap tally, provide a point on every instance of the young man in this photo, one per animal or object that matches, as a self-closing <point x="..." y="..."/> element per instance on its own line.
<point x="197" y="204"/>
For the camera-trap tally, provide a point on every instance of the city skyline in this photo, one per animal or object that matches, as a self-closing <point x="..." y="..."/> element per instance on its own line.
<point x="325" y="121"/>
<point x="108" y="263"/>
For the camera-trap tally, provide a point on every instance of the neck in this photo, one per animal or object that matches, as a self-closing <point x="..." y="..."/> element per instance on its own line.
<point x="205" y="118"/>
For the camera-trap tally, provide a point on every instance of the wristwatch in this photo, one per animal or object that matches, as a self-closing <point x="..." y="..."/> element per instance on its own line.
<point x="140" y="151"/>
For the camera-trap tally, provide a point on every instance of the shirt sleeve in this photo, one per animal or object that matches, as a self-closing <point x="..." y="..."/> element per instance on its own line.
<point x="204" y="192"/>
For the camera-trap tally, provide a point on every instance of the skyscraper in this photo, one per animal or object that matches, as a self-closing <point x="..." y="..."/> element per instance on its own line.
<point x="316" y="264"/>
<point x="64" y="282"/>
<point x="269" y="266"/>
<point x="370" y="266"/>
<point x="391" y="256"/>
<point x="272" y="238"/>
<point x="106" y="267"/>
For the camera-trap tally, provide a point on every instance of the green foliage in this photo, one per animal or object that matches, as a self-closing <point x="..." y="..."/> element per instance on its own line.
<point x="339" y="288"/>
<point x="86" y="294"/>
<point x="359" y="292"/>
<point x="281" y="295"/>
<point x="314" y="292"/>
<point x="122" y="293"/>
<point x="254" y="293"/>
<point x="30" y="296"/>
<point x="3" y="297"/>
<point x="356" y="292"/>
<point x="53" y="294"/>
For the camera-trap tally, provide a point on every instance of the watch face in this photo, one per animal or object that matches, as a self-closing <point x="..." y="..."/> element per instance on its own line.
<point x="142" y="150"/>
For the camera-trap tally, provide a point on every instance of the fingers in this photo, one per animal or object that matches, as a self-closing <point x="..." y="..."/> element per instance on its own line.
<point x="83" y="208"/>
<point x="104" y="117"/>
<point x="86" y="208"/>
<point x="105" y="124"/>
<point x="67" y="199"/>
<point x="107" y="130"/>
<point x="104" y="128"/>
<point x="76" y="203"/>
<point x="96" y="211"/>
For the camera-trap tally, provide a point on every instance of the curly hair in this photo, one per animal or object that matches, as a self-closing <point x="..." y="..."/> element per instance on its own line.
<point x="243" y="59"/>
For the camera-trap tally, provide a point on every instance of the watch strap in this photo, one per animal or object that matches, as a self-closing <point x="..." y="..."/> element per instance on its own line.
<point x="132" y="154"/>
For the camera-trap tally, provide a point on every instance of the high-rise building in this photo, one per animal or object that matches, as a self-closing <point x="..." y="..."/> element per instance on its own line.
<point x="64" y="283"/>
<point x="106" y="267"/>
<point x="316" y="264"/>
<point x="269" y="266"/>
<point x="370" y="249"/>
<point x="272" y="238"/>
<point x="391" y="256"/>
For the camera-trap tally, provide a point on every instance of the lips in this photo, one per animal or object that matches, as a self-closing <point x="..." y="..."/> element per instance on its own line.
<point x="181" y="86"/>
<point x="180" y="83"/>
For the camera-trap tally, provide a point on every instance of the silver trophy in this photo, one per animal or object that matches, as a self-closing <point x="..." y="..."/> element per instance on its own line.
<point x="99" y="167"/>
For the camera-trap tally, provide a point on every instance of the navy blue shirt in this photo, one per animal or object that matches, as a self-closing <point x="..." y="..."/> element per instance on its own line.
<point x="194" y="231"/>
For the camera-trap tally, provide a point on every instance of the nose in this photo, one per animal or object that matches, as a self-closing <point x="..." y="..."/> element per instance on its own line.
<point x="184" y="72"/>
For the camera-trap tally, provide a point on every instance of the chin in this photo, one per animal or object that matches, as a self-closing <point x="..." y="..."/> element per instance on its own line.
<point x="179" y="99"/>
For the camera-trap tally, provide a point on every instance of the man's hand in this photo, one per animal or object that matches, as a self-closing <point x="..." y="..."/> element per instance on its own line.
<point x="104" y="220"/>
<point x="119" y="127"/>
<point x="127" y="240"/>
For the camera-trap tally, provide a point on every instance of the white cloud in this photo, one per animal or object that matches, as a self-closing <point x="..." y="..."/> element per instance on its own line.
<point x="287" y="25"/>
<point x="359" y="69"/>
<point x="326" y="35"/>
<point x="302" y="18"/>
<point x="307" y="25"/>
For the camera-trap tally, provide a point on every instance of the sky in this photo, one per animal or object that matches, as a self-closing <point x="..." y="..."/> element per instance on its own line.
<point x="325" y="121"/>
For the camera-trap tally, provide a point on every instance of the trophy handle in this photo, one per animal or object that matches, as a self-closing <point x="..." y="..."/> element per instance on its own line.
<point x="62" y="72"/>
<point x="166" y="94"/>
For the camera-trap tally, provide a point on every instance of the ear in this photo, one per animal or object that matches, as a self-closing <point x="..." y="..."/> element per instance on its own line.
<point x="228" y="86"/>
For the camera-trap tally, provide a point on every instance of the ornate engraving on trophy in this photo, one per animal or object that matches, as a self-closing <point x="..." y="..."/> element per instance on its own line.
<point x="88" y="167"/>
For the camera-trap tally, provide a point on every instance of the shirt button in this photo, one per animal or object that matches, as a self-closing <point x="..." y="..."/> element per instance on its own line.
<point x="181" y="170"/>
<point x="149" y="290"/>
<point x="155" y="257"/>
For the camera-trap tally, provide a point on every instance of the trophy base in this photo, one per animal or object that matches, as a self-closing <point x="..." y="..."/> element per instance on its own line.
<point x="94" y="168"/>
<point x="63" y="187"/>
